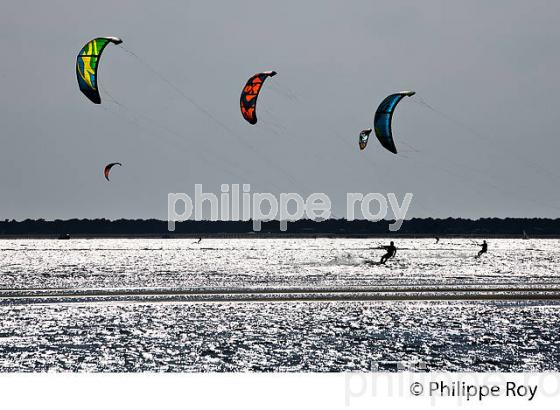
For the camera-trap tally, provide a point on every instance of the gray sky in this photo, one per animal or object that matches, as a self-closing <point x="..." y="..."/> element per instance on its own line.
<point x="491" y="67"/>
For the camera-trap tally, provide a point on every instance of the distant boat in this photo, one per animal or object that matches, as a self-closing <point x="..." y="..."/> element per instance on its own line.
<point x="525" y="236"/>
<point x="64" y="236"/>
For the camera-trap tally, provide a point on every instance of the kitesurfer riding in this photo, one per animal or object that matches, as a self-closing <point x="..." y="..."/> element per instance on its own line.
<point x="483" y="250"/>
<point x="391" y="252"/>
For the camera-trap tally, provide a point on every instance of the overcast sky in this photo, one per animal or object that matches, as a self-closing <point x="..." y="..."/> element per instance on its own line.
<point x="491" y="69"/>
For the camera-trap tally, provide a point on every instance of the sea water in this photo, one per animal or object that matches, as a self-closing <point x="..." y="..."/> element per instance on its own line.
<point x="132" y="333"/>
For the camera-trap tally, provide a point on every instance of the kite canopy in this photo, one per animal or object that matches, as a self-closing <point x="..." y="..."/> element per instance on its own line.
<point x="384" y="117"/>
<point x="250" y="94"/>
<point x="87" y="64"/>
<point x="107" y="169"/>
<point x="364" y="137"/>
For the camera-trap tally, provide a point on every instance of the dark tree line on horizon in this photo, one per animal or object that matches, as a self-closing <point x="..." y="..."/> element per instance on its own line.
<point x="513" y="227"/>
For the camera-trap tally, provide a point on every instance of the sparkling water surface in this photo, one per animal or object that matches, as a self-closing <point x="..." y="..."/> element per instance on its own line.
<point x="135" y="335"/>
